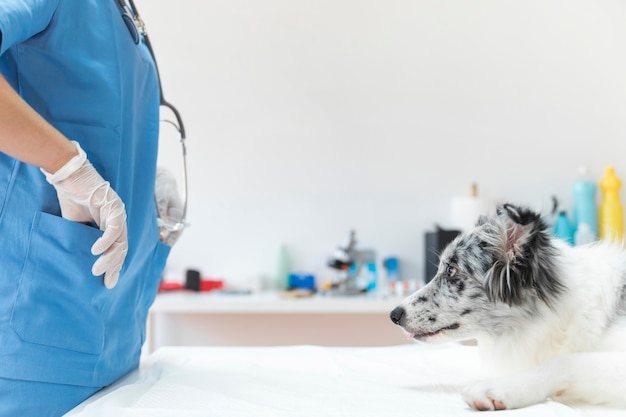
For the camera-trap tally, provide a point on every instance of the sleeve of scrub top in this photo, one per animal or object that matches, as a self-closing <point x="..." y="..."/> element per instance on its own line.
<point x="22" y="19"/>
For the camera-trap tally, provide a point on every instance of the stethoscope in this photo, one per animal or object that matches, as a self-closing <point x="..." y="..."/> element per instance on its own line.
<point x="137" y="29"/>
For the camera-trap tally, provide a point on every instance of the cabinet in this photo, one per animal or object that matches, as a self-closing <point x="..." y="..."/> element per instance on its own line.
<point x="267" y="319"/>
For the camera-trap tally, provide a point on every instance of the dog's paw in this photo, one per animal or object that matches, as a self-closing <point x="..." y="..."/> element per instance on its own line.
<point x="501" y="394"/>
<point x="481" y="398"/>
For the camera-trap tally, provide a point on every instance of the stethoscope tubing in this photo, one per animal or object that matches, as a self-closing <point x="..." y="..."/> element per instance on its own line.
<point x="137" y="29"/>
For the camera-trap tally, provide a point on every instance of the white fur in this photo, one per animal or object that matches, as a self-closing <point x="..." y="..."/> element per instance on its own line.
<point x="563" y="353"/>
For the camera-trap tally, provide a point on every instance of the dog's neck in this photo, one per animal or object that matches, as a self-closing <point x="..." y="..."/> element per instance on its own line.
<point x="525" y="344"/>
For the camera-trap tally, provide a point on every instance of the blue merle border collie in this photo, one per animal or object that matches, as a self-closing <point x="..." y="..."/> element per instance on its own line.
<point x="549" y="319"/>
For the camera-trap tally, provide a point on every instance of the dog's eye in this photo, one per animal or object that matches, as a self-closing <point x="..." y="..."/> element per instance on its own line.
<point x="451" y="271"/>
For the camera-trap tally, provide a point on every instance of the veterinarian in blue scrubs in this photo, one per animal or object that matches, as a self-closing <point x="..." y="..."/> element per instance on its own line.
<point x="80" y="257"/>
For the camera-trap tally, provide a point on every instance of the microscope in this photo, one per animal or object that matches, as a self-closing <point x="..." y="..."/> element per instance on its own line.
<point x="348" y="263"/>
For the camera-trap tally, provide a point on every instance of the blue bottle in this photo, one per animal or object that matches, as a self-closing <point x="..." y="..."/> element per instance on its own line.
<point x="563" y="228"/>
<point x="585" y="207"/>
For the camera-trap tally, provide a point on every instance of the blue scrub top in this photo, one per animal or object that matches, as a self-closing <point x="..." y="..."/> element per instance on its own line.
<point x="75" y="63"/>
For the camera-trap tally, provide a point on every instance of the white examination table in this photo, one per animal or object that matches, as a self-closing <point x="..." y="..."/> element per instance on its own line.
<point x="294" y="381"/>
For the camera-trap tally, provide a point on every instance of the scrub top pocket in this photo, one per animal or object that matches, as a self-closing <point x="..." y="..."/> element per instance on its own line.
<point x="58" y="300"/>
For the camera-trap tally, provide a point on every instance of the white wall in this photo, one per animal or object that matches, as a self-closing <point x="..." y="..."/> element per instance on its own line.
<point x="307" y="118"/>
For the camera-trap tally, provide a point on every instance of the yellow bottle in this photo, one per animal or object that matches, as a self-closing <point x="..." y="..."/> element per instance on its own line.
<point x="611" y="212"/>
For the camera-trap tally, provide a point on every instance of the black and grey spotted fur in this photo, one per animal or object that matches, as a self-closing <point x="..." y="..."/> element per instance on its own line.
<point x="507" y="260"/>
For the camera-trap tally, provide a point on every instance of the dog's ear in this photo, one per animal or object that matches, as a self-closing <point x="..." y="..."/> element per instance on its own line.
<point x="519" y="215"/>
<point x="517" y="225"/>
<point x="522" y="256"/>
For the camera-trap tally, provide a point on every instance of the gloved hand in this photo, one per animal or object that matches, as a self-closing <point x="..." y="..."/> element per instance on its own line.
<point x="85" y="196"/>
<point x="169" y="205"/>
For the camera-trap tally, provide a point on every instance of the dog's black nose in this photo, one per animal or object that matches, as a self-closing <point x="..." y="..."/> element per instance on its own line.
<point x="396" y="315"/>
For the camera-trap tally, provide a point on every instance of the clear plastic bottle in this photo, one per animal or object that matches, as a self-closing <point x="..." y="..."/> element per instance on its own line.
<point x="611" y="213"/>
<point x="281" y="278"/>
<point x="583" y="235"/>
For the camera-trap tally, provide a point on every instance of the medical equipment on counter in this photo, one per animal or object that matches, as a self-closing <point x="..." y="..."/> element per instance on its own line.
<point x="585" y="209"/>
<point x="465" y="210"/>
<point x="193" y="282"/>
<point x="348" y="263"/>
<point x="388" y="282"/>
<point x="611" y="210"/>
<point x="137" y="29"/>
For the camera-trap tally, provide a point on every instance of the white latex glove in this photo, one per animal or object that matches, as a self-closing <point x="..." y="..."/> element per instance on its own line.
<point x="85" y="196"/>
<point x="169" y="204"/>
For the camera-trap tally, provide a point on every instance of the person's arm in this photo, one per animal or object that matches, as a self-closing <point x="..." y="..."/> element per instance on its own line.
<point x="27" y="136"/>
<point x="83" y="194"/>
